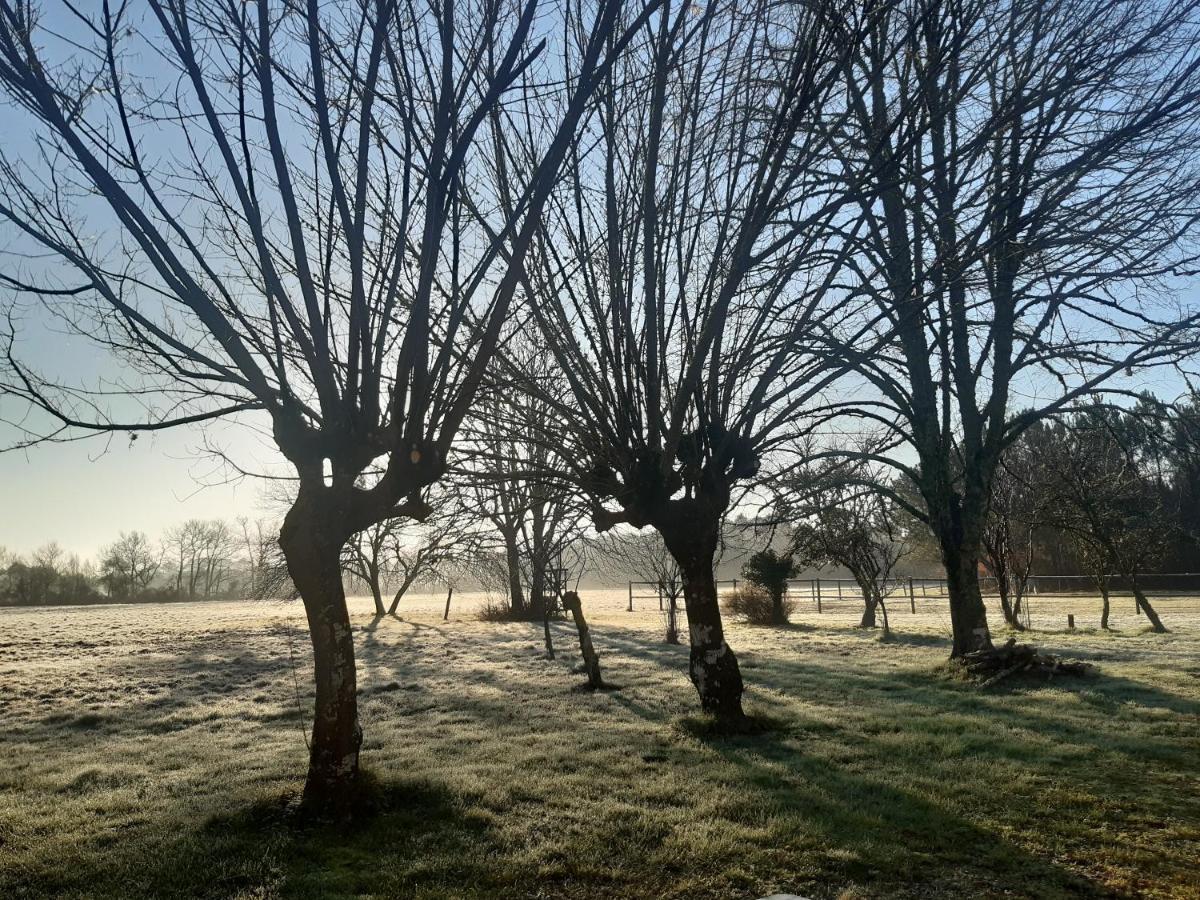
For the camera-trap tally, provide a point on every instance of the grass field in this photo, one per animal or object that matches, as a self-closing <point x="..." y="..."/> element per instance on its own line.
<point x="154" y="751"/>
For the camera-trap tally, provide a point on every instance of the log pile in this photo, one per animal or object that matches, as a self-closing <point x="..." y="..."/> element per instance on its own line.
<point x="1012" y="659"/>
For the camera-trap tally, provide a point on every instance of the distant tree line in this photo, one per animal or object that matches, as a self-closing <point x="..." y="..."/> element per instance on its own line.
<point x="197" y="560"/>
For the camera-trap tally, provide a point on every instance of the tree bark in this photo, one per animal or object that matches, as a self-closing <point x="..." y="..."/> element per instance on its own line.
<point x="312" y="545"/>
<point x="968" y="615"/>
<point x="376" y="592"/>
<point x="516" y="595"/>
<point x="713" y="666"/>
<point x="1104" y="611"/>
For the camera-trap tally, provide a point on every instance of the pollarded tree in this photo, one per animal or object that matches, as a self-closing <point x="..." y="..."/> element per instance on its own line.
<point x="1027" y="179"/>
<point x="678" y="273"/>
<point x="280" y="236"/>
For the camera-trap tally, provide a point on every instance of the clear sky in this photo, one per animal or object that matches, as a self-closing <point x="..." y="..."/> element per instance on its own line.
<point x="83" y="494"/>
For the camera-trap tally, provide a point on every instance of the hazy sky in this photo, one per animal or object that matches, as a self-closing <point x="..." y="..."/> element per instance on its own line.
<point x="83" y="494"/>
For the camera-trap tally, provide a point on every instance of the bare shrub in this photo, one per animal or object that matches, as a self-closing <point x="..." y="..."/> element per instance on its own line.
<point x="754" y="605"/>
<point x="496" y="611"/>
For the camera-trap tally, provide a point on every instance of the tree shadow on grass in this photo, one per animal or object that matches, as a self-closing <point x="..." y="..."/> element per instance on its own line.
<point x="892" y="840"/>
<point x="412" y="838"/>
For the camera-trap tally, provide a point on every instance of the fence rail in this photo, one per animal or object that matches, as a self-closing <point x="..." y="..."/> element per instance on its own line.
<point x="655" y="590"/>
<point x="825" y="590"/>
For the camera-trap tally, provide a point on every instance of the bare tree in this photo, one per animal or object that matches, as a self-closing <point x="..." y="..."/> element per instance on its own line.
<point x="513" y="462"/>
<point x="676" y="277"/>
<point x="129" y="565"/>
<point x="394" y="554"/>
<point x="1104" y="497"/>
<point x="1027" y="183"/>
<point x="1016" y="510"/>
<point x="285" y="241"/>
<point x="644" y="554"/>
<point x="837" y="518"/>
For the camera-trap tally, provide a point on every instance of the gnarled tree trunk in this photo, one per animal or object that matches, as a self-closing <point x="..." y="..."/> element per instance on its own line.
<point x="713" y="667"/>
<point x="312" y="544"/>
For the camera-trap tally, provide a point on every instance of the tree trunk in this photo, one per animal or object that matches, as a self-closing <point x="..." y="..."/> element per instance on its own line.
<point x="516" y="595"/>
<point x="1104" y="611"/>
<point x="713" y="666"/>
<point x="376" y="592"/>
<point x="887" y="628"/>
<point x="537" y="589"/>
<point x="866" y="587"/>
<point x="968" y="615"/>
<point x="868" y="616"/>
<point x="1005" y="604"/>
<point x="591" y="661"/>
<point x="1018" y="619"/>
<point x="672" y="619"/>
<point x="546" y="631"/>
<point x="1144" y="605"/>
<point x="312" y="546"/>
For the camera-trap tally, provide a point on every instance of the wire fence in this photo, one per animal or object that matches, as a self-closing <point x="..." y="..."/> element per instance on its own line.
<point x="656" y="592"/>
<point x="1174" y="584"/>
<point x="1048" y="601"/>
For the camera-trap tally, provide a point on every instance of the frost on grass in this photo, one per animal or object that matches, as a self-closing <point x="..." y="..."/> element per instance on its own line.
<point x="129" y="728"/>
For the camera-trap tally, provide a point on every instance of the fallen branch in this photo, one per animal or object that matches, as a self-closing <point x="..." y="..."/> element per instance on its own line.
<point x="998" y="663"/>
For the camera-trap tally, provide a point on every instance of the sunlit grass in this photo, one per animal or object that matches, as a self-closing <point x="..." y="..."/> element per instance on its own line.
<point x="159" y="751"/>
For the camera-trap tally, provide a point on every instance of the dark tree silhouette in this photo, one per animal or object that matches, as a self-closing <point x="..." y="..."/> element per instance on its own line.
<point x="1027" y="182"/>
<point x="678" y="273"/>
<point x="261" y="210"/>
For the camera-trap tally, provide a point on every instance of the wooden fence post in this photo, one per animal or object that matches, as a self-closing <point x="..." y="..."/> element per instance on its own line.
<point x="446" y="614"/>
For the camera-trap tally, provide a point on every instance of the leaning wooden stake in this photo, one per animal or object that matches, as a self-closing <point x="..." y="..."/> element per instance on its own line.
<point x="591" y="661"/>
<point x="446" y="614"/>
